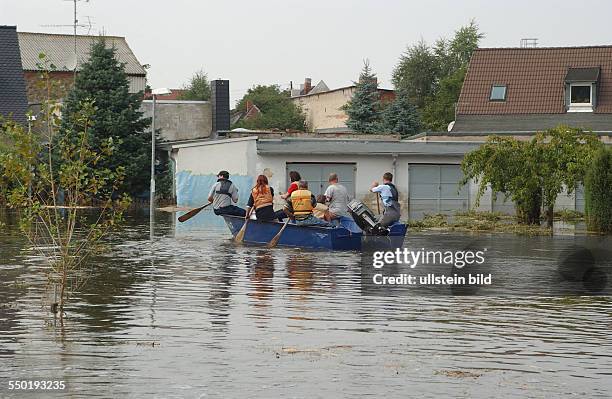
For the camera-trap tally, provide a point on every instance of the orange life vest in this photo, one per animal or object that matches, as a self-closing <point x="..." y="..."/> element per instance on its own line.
<point x="262" y="199"/>
<point x="301" y="201"/>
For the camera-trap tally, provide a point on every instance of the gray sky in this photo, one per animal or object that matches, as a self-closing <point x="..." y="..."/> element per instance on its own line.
<point x="277" y="41"/>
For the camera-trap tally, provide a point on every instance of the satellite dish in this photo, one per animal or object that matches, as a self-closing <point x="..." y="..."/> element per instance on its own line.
<point x="450" y="126"/>
<point x="71" y="62"/>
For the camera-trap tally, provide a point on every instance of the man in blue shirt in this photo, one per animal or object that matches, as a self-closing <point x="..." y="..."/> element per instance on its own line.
<point x="390" y="199"/>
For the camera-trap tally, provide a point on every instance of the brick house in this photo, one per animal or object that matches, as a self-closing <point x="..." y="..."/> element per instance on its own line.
<point x="517" y="90"/>
<point x="59" y="50"/>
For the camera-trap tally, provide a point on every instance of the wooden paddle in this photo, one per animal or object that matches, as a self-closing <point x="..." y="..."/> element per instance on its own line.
<point x="378" y="202"/>
<point x="240" y="236"/>
<point x="192" y="213"/>
<point x="277" y="237"/>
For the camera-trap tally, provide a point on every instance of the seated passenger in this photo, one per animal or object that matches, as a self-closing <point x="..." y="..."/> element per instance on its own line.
<point x="337" y="198"/>
<point x="222" y="193"/>
<point x="321" y="210"/>
<point x="262" y="198"/>
<point x="301" y="204"/>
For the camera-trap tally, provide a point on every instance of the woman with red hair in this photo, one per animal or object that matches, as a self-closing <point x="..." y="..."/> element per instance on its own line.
<point x="262" y="198"/>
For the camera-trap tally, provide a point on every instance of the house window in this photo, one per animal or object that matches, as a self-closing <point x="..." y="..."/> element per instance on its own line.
<point x="498" y="93"/>
<point x="580" y="94"/>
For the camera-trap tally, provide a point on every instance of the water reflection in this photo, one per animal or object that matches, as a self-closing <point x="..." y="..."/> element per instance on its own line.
<point x="190" y="314"/>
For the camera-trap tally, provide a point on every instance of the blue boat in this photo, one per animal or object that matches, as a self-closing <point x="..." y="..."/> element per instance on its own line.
<point x="347" y="236"/>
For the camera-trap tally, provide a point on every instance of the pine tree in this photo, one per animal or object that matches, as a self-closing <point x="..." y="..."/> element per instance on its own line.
<point x="363" y="109"/>
<point x="117" y="115"/>
<point x="401" y="116"/>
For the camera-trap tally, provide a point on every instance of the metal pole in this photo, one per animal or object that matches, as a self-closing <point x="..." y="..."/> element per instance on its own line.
<point x="152" y="199"/>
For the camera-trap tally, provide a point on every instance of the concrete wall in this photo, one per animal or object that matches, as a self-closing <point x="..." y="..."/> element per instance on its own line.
<point x="198" y="163"/>
<point x="181" y="120"/>
<point x="197" y="166"/>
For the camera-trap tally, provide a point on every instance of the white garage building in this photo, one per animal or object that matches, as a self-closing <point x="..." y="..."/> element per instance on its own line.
<point x="426" y="173"/>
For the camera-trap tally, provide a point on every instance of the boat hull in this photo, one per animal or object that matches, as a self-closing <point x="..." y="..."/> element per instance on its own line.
<point x="346" y="237"/>
<point x="316" y="237"/>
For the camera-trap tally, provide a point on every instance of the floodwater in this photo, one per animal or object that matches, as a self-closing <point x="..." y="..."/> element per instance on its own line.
<point x="191" y="315"/>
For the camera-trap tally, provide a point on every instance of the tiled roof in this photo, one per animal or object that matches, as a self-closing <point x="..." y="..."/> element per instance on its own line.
<point x="13" y="100"/>
<point x="535" y="79"/>
<point x="59" y="49"/>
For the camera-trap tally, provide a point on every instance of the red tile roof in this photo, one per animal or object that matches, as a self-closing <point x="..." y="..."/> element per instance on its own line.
<point x="535" y="79"/>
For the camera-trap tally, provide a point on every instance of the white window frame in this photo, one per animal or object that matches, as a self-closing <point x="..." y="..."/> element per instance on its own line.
<point x="581" y="107"/>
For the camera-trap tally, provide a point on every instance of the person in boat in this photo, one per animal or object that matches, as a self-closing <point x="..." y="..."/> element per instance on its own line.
<point x="222" y="194"/>
<point x="390" y="199"/>
<point x="321" y="210"/>
<point x="295" y="178"/>
<point x="301" y="205"/>
<point x="337" y="198"/>
<point x="262" y="198"/>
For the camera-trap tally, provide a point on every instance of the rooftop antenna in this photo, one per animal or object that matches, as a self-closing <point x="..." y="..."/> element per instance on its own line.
<point x="530" y="42"/>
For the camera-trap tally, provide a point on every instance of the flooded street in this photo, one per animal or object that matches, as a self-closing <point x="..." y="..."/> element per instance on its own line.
<point x="192" y="315"/>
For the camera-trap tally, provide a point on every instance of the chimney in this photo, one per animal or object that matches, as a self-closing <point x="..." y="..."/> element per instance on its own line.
<point x="249" y="105"/>
<point x="219" y="99"/>
<point x="307" y="85"/>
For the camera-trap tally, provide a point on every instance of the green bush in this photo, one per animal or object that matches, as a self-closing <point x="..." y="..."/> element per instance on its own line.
<point x="598" y="192"/>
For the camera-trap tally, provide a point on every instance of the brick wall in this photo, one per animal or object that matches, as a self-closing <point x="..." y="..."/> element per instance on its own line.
<point x="36" y="88"/>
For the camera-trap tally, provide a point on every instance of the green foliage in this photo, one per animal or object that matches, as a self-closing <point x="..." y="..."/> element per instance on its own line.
<point x="364" y="108"/>
<point x="277" y="109"/>
<point x="532" y="173"/>
<point x="439" y="110"/>
<point x="417" y="72"/>
<point x="116" y="116"/>
<point x="198" y="88"/>
<point x="401" y="116"/>
<point x="50" y="179"/>
<point x="433" y="76"/>
<point x="598" y="192"/>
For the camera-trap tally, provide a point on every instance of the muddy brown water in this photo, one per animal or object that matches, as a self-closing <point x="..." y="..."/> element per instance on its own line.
<point x="191" y="315"/>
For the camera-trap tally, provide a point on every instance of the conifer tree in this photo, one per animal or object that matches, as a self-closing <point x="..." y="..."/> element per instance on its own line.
<point x="117" y="116"/>
<point x="401" y="116"/>
<point x="363" y="109"/>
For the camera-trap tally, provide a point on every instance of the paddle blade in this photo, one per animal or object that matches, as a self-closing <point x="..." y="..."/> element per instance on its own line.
<point x="240" y="236"/>
<point x="274" y="241"/>
<point x="192" y="213"/>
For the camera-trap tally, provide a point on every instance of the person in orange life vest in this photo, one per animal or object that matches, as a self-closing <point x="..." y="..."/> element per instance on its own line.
<point x="295" y="178"/>
<point x="301" y="204"/>
<point x="262" y="198"/>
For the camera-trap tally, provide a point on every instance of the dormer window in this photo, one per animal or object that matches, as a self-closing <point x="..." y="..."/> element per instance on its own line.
<point x="498" y="93"/>
<point x="580" y="86"/>
<point x="580" y="94"/>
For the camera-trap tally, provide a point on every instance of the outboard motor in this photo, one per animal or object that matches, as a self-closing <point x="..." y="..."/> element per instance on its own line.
<point x="365" y="219"/>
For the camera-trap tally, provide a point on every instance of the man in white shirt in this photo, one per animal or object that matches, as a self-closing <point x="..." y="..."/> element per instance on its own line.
<point x="337" y="198"/>
<point x="390" y="200"/>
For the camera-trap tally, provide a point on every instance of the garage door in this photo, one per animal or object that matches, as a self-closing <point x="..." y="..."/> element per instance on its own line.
<point x="317" y="174"/>
<point x="434" y="189"/>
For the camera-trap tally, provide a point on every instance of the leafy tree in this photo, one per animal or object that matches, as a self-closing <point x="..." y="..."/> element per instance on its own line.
<point x="363" y="109"/>
<point x="116" y="116"/>
<point x="562" y="155"/>
<point x="439" y="110"/>
<point x="198" y="88"/>
<point x="433" y="76"/>
<point x="401" y="116"/>
<point x="598" y="192"/>
<point x="50" y="180"/>
<point x="417" y="72"/>
<point x="532" y="173"/>
<point x="277" y="109"/>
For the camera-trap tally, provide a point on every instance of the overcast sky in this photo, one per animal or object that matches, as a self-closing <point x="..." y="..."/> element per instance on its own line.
<point x="278" y="41"/>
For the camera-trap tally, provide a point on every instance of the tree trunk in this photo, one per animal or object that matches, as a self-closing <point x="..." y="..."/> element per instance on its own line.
<point x="549" y="215"/>
<point x="529" y="212"/>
